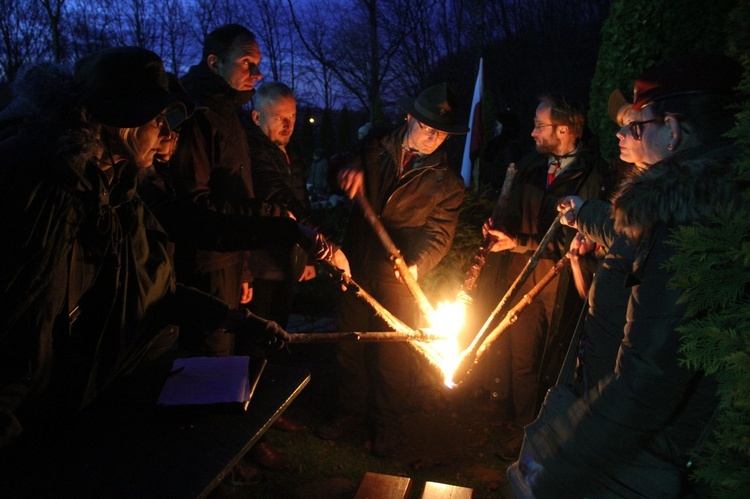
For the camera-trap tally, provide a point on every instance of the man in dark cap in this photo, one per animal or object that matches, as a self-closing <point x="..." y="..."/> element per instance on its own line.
<point x="636" y="432"/>
<point x="405" y="177"/>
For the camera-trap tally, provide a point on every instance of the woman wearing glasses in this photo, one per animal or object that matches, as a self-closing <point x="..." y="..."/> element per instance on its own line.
<point x="86" y="283"/>
<point x="633" y="434"/>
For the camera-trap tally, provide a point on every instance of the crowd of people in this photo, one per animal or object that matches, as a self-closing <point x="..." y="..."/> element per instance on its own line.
<point x="145" y="213"/>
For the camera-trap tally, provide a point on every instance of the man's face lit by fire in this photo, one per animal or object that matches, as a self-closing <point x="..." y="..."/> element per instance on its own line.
<point x="240" y="66"/>
<point x="423" y="138"/>
<point x="546" y="134"/>
<point x="276" y="119"/>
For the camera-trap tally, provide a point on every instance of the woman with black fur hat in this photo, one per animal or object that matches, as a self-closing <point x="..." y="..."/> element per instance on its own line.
<point x="638" y="432"/>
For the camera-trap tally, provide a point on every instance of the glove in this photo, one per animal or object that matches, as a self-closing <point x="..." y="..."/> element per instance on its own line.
<point x="315" y="244"/>
<point x="265" y="333"/>
<point x="321" y="250"/>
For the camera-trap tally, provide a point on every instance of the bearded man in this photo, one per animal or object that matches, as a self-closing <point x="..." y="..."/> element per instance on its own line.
<point x="528" y="355"/>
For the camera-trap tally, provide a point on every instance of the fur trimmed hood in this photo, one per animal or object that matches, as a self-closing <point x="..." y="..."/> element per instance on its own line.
<point x="681" y="189"/>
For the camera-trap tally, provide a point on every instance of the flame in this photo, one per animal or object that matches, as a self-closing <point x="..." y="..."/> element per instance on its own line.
<point x="444" y="350"/>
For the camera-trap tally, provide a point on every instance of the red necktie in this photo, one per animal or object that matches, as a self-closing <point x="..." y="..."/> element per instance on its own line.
<point x="554" y="167"/>
<point x="410" y="156"/>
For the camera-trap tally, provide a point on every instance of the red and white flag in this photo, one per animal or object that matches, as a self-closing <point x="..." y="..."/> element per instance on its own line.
<point x="474" y="138"/>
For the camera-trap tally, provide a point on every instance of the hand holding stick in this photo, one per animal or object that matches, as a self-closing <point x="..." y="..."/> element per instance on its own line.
<point x="470" y="353"/>
<point x="396" y="258"/>
<point x="347" y="282"/>
<point x="470" y="281"/>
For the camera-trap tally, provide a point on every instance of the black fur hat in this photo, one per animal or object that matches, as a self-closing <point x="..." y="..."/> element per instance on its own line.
<point x="123" y="87"/>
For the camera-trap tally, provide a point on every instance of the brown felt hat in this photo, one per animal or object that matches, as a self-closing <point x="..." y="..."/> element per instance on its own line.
<point x="124" y="87"/>
<point x="435" y="108"/>
<point x="616" y="101"/>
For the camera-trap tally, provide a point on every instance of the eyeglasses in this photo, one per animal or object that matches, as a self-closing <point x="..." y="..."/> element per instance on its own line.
<point x="636" y="128"/>
<point x="162" y="124"/>
<point x="431" y="132"/>
<point x="539" y="126"/>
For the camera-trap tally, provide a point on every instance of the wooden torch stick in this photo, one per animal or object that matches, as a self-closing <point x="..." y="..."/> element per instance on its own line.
<point x="396" y="258"/>
<point x="468" y="356"/>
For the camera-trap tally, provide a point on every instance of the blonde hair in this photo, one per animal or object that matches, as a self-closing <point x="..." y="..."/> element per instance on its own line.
<point x="120" y="142"/>
<point x="622" y="113"/>
<point x="129" y="138"/>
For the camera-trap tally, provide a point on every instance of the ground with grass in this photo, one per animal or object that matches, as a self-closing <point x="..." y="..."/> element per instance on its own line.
<point x="450" y="436"/>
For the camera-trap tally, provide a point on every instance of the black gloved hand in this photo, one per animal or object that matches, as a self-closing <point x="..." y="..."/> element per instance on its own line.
<point x="322" y="249"/>
<point x="265" y="333"/>
<point x="315" y="244"/>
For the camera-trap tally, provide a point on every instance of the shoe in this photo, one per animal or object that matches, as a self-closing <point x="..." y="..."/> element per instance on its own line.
<point x="264" y="456"/>
<point x="510" y="448"/>
<point x="283" y="423"/>
<point x="386" y="441"/>
<point x="339" y="426"/>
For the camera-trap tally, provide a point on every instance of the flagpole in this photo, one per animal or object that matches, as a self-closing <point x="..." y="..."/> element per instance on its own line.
<point x="474" y="137"/>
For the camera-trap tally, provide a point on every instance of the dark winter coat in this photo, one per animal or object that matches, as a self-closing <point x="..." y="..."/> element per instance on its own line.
<point x="653" y="407"/>
<point x="607" y="298"/>
<point x="85" y="279"/>
<point x="530" y="213"/>
<point x="278" y="179"/>
<point x="188" y="223"/>
<point x="419" y="210"/>
<point x="211" y="166"/>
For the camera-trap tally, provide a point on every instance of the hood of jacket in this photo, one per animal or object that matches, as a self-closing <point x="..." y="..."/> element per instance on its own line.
<point x="683" y="188"/>
<point x="206" y="86"/>
<point x="44" y="114"/>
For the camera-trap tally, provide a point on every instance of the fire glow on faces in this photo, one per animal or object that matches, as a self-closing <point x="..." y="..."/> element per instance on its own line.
<point x="423" y="138"/>
<point x="240" y="67"/>
<point x="277" y="119"/>
<point x="545" y="132"/>
<point x="631" y="150"/>
<point x="140" y="144"/>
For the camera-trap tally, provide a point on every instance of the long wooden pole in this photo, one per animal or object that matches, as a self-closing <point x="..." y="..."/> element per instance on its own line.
<point x="469" y="355"/>
<point x="480" y="257"/>
<point x="396" y="258"/>
<point x="374" y="336"/>
<point x="351" y="286"/>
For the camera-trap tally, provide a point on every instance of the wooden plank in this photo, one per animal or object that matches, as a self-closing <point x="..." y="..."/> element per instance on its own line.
<point x="379" y="486"/>
<point x="434" y="490"/>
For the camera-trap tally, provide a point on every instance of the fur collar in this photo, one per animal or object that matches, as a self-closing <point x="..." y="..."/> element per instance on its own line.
<point x="681" y="189"/>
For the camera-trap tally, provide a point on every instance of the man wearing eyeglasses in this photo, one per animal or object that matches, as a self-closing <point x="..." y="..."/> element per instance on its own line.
<point x="528" y="355"/>
<point x="405" y="176"/>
